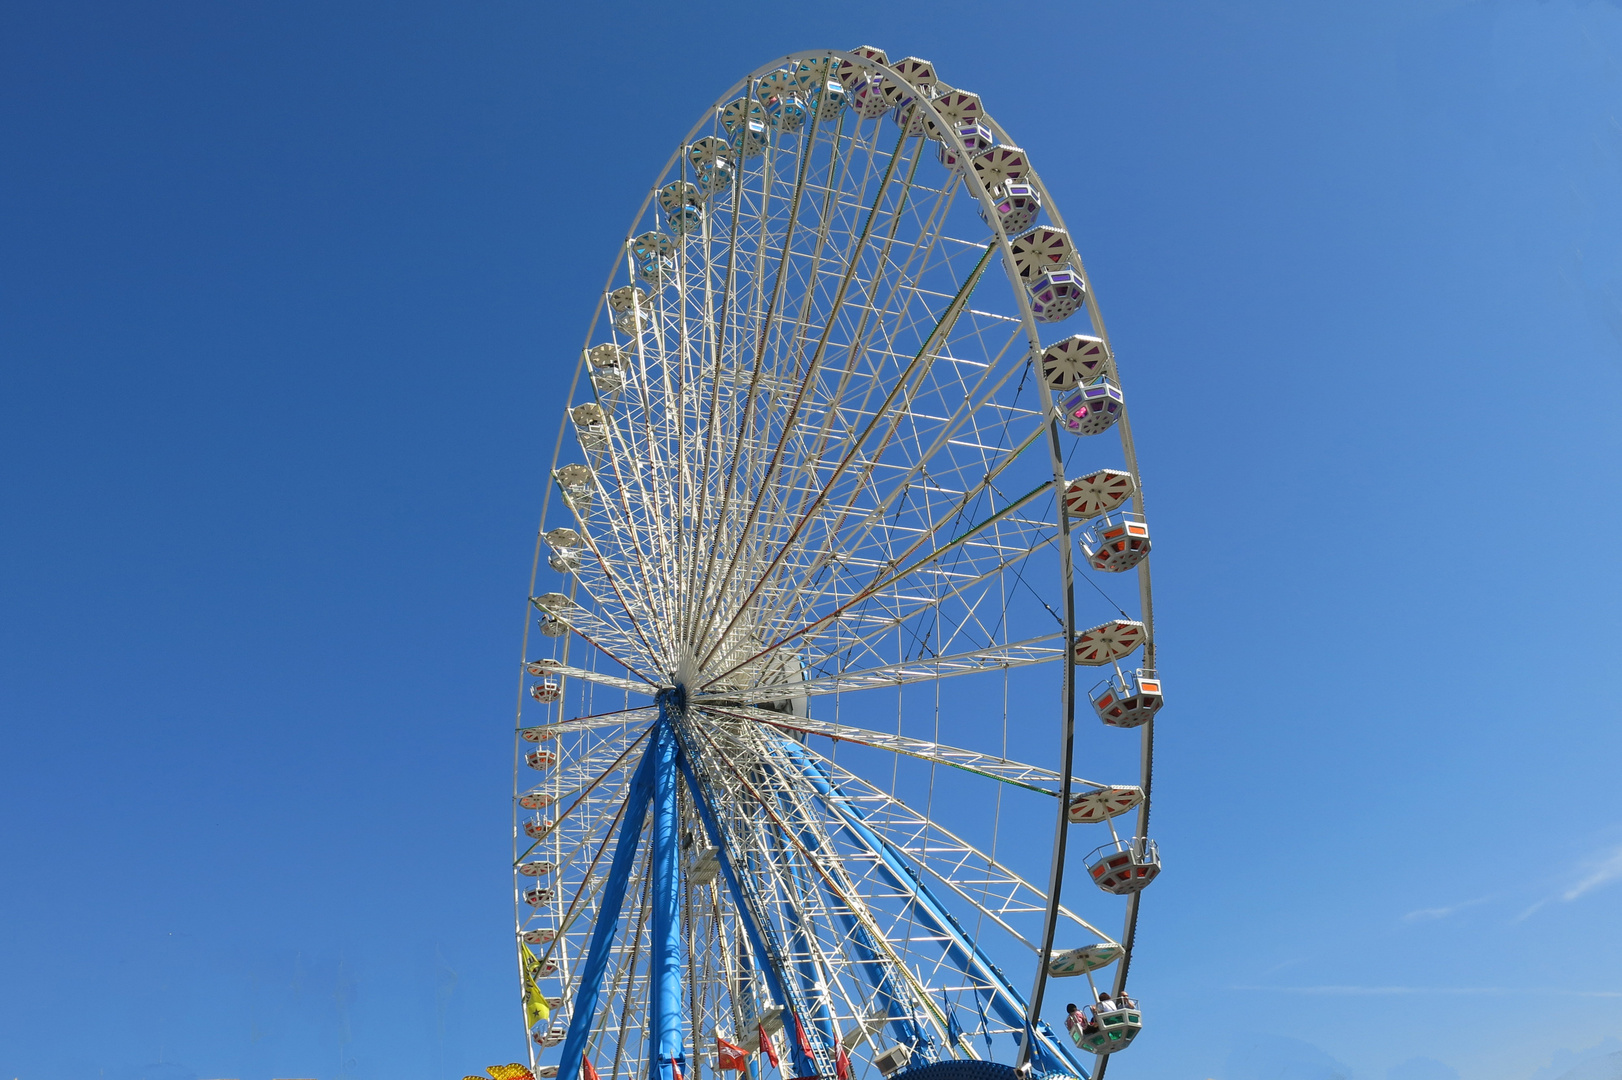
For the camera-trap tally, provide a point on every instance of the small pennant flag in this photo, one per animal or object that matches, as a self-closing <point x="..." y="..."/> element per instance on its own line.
<point x="985" y="1025"/>
<point x="954" y="1030"/>
<point x="535" y="1007"/>
<point x="588" y="1071"/>
<point x="842" y="1063"/>
<point x="730" y="1056"/>
<point x="799" y="1033"/>
<point x="767" y="1048"/>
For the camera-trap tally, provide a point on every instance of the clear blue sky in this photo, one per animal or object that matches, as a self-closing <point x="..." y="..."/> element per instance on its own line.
<point x="287" y="297"/>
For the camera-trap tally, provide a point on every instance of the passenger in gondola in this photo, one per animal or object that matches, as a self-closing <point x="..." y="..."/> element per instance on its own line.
<point x="1074" y="1021"/>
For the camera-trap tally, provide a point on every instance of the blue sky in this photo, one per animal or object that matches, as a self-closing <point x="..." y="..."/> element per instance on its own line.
<point x="288" y="298"/>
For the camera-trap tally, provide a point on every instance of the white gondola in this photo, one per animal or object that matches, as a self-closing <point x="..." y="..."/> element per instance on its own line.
<point x="536" y="828"/>
<point x="1124" y="866"/>
<point x="975" y="137"/>
<point x="1112" y="1026"/>
<point x="1057" y="295"/>
<point x="1091" y="409"/>
<point x="537" y="868"/>
<point x="541" y="759"/>
<point x="546" y="691"/>
<point x="630" y="307"/>
<point x="538" y="895"/>
<point x="1015" y="205"/>
<point x="1128" y="700"/>
<point x="1116" y="542"/>
<point x="704" y="865"/>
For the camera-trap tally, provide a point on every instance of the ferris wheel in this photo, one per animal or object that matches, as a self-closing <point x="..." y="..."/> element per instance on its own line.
<point x="841" y="619"/>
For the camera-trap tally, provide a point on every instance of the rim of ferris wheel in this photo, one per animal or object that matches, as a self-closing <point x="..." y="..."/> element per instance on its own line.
<point x="739" y="491"/>
<point x="1098" y="492"/>
<point x="1085" y="959"/>
<point x="1104" y="803"/>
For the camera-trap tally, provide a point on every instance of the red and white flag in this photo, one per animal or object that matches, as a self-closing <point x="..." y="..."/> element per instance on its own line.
<point x="730" y="1056"/>
<point x="587" y="1070"/>
<point x="767" y="1048"/>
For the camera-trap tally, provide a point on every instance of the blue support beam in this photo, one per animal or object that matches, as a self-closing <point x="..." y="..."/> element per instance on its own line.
<point x="1004" y="1000"/>
<point x="583" y="1010"/>
<point x="665" y="948"/>
<point x="771" y="961"/>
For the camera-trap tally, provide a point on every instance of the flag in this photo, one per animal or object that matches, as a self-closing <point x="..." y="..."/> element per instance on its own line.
<point x="535" y="1007"/>
<point x="842" y="1063"/>
<point x="675" y="1070"/>
<point x="799" y="1033"/>
<point x="730" y="1056"/>
<point x="985" y="1025"/>
<point x="532" y="966"/>
<point x="587" y="1070"/>
<point x="767" y="1048"/>
<point x="954" y="1030"/>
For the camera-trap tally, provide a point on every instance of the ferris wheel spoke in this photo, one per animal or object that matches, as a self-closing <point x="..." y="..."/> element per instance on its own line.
<point x="955" y="309"/>
<point x="942" y="930"/>
<point x="1038" y="650"/>
<point x="871" y="318"/>
<point x="874" y="588"/>
<point x="990" y="886"/>
<point x="653" y="583"/>
<point x="852" y="623"/>
<point x="795" y="828"/>
<point x="1004" y="770"/>
<point x="874" y="519"/>
<point x="809" y="449"/>
<point x="852" y="263"/>
<point x="806" y="595"/>
<point x="649" y="655"/>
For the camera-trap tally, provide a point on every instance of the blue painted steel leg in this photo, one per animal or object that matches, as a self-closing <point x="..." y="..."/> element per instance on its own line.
<point x="1004" y="1000"/>
<point x="665" y="1004"/>
<point x="583" y="1010"/>
<point x="906" y="1030"/>
<point x="803" y="1065"/>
